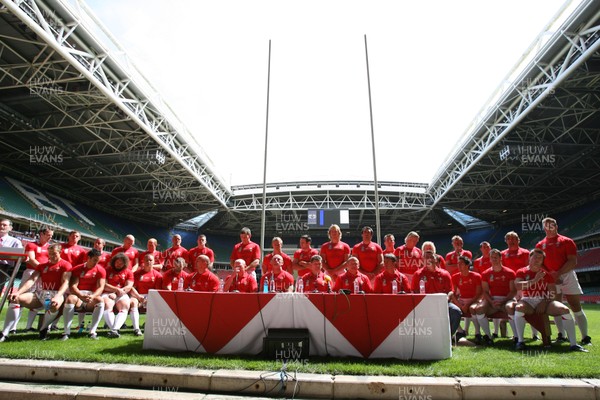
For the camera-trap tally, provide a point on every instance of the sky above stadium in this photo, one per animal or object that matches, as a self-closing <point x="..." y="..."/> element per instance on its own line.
<point x="433" y="65"/>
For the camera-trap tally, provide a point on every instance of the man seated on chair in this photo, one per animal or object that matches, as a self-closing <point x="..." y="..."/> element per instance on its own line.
<point x="539" y="291"/>
<point x="144" y="279"/>
<point x="240" y="280"/>
<point x="53" y="278"/>
<point x="466" y="296"/>
<point x="279" y="280"/>
<point x="383" y="281"/>
<point x="86" y="287"/>
<point x="316" y="280"/>
<point x="498" y="285"/>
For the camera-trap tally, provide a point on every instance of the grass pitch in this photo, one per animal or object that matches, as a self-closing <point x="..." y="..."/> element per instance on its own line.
<point x="498" y="360"/>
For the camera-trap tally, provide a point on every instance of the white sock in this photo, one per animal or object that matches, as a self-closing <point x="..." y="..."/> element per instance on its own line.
<point x="68" y="314"/>
<point x="81" y="318"/>
<point x="484" y="323"/>
<point x="31" y="318"/>
<point x="109" y="318"/>
<point x="569" y="325"/>
<point x="511" y="321"/>
<point x="476" y="325"/>
<point x="49" y="318"/>
<point x="97" y="316"/>
<point x="582" y="322"/>
<point x="12" y="316"/>
<point x="520" y="325"/>
<point x="120" y="319"/>
<point x="496" y="325"/>
<point x="135" y="318"/>
<point x="467" y="325"/>
<point x="534" y="332"/>
<point x="559" y="325"/>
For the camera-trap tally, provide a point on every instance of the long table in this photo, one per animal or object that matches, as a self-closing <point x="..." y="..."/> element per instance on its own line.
<point x="404" y="326"/>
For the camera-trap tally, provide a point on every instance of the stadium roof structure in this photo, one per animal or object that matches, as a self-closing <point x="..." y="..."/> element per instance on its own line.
<point x="77" y="118"/>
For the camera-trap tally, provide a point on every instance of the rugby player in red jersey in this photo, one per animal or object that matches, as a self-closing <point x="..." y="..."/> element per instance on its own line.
<point x="383" y="281"/>
<point x="430" y="246"/>
<point x="277" y="244"/>
<point x="72" y="251"/>
<point x="345" y="281"/>
<point x="466" y="295"/>
<point x="128" y="249"/>
<point x="483" y="263"/>
<point x="247" y="250"/>
<point x="279" y="280"/>
<point x="86" y="287"/>
<point x="203" y="279"/>
<point x="316" y="280"/>
<point x="240" y="280"/>
<point x="172" y="277"/>
<point x="561" y="260"/>
<point x="335" y="253"/>
<point x="302" y="256"/>
<point x="174" y="252"/>
<point x="369" y="254"/>
<point x="410" y="257"/>
<point x="37" y="253"/>
<point x="452" y="257"/>
<point x="144" y="279"/>
<point x="389" y="244"/>
<point x="539" y="292"/>
<point x="515" y="258"/>
<point x="119" y="281"/>
<point x="52" y="278"/>
<point x="201" y="249"/>
<point x="152" y="248"/>
<point x="498" y="291"/>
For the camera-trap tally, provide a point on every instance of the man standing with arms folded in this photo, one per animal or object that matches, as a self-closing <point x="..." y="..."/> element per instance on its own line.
<point x="410" y="257"/>
<point x="335" y="253"/>
<point x="561" y="259"/>
<point x="452" y="257"/>
<point x="247" y="250"/>
<point x="130" y="251"/>
<point x="199" y="250"/>
<point x="302" y="256"/>
<point x="277" y="244"/>
<point x="369" y="254"/>
<point x="174" y="252"/>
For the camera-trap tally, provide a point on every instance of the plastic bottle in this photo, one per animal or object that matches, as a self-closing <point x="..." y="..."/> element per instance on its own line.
<point x="422" y="286"/>
<point x="394" y="287"/>
<point x="300" y="287"/>
<point x="221" y="285"/>
<point x="180" y="284"/>
<point x="47" y="300"/>
<point x="272" y="285"/>
<point x="356" y="286"/>
<point x="266" y="285"/>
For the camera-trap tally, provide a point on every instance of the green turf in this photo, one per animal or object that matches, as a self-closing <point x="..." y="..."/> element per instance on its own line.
<point x="499" y="360"/>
